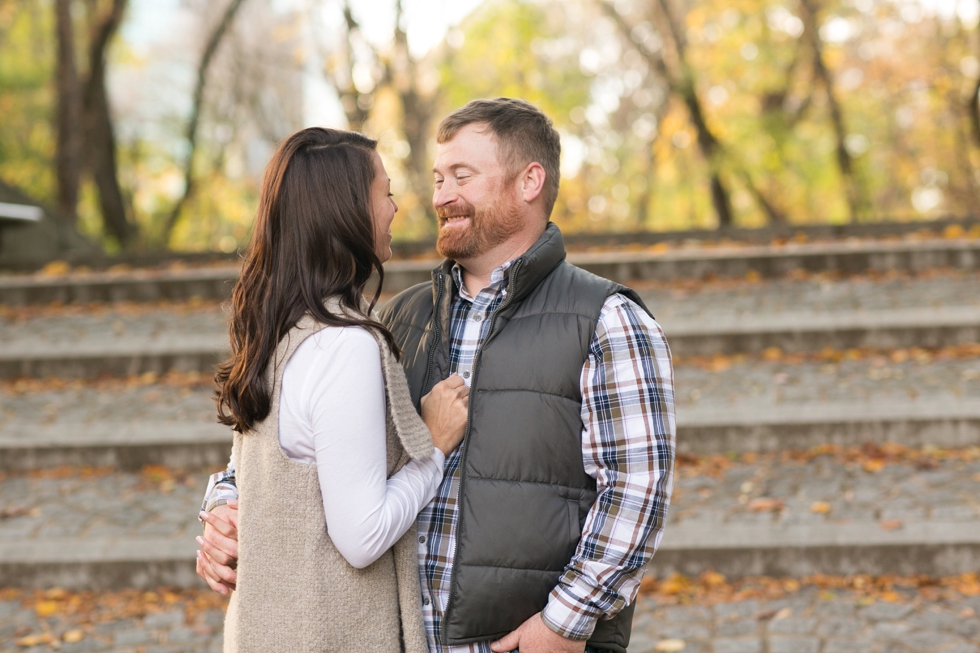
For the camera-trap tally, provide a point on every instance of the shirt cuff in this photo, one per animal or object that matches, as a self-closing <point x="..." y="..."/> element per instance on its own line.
<point x="569" y="611"/>
<point x="217" y="495"/>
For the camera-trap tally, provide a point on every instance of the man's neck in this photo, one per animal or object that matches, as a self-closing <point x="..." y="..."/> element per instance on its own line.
<point x="477" y="270"/>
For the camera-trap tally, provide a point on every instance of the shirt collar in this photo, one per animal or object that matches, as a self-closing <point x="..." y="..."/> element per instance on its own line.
<point x="497" y="278"/>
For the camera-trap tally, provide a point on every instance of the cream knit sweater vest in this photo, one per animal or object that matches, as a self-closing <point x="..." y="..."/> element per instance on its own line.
<point x="295" y="591"/>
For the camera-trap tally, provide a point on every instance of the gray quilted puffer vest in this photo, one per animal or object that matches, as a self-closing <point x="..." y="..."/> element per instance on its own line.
<point x="524" y="493"/>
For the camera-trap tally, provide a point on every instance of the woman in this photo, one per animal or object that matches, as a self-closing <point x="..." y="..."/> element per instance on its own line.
<point x="332" y="461"/>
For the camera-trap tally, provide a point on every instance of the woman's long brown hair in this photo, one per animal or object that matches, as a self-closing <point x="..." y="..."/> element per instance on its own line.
<point x="314" y="237"/>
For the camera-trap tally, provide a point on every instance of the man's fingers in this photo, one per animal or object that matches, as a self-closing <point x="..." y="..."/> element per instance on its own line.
<point x="508" y="643"/>
<point x="224" y="527"/>
<point x="463" y="392"/>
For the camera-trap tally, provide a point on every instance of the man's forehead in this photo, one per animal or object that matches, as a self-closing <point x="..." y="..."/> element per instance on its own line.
<point x="470" y="142"/>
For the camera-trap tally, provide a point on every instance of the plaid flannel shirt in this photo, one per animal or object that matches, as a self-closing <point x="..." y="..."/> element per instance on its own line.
<point x="627" y="446"/>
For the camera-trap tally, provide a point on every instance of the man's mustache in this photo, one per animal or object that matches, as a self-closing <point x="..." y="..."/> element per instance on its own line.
<point x="446" y="215"/>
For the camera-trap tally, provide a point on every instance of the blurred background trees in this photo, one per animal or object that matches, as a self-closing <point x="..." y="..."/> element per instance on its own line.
<point x="150" y="122"/>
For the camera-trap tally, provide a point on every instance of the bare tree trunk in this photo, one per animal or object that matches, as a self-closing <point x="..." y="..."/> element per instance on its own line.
<point x="973" y="105"/>
<point x="418" y="110"/>
<point x="101" y="141"/>
<point x="680" y="81"/>
<point x="356" y="105"/>
<point x="854" y="192"/>
<point x="198" y="100"/>
<point x="69" y="128"/>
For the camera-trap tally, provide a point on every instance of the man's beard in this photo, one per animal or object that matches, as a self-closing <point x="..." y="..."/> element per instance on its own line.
<point x="488" y="227"/>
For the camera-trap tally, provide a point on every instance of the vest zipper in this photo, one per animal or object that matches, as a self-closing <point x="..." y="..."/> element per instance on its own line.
<point x="435" y="336"/>
<point x="462" y="456"/>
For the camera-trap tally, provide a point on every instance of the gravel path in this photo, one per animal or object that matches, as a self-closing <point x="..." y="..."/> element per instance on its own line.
<point x="808" y="620"/>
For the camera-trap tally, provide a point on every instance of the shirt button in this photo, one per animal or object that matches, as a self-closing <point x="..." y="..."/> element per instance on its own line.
<point x="425" y="601"/>
<point x="478" y="317"/>
<point x="421" y="539"/>
<point x="466" y="374"/>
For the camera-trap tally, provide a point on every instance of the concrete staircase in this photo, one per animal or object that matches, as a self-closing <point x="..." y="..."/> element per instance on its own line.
<point x="833" y="357"/>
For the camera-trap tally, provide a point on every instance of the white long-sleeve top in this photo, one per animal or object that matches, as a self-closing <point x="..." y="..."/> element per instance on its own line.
<point x="332" y="415"/>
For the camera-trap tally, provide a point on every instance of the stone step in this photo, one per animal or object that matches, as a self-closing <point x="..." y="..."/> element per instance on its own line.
<point x="906" y="514"/>
<point x="723" y="404"/>
<point x="130" y="445"/>
<point x="95" y="354"/>
<point x="736" y="261"/>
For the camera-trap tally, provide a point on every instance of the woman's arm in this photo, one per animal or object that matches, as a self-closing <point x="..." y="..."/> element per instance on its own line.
<point x="343" y="399"/>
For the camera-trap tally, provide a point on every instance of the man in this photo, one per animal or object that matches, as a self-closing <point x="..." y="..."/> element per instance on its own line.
<point x="556" y="499"/>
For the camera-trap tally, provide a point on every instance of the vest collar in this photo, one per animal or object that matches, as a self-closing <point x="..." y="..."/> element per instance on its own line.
<point x="527" y="270"/>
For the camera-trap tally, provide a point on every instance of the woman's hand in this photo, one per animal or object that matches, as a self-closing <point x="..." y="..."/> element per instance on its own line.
<point x="444" y="411"/>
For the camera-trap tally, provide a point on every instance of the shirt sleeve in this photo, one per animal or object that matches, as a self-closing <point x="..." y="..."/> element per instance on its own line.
<point x="628" y="443"/>
<point x="221" y="487"/>
<point x="366" y="512"/>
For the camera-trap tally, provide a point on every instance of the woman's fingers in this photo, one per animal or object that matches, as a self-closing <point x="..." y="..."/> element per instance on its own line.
<point x="223" y="526"/>
<point x="216" y="554"/>
<point x="228" y="545"/>
<point x="210" y="574"/>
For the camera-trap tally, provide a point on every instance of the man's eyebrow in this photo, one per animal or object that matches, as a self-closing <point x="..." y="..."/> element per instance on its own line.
<point x="456" y="166"/>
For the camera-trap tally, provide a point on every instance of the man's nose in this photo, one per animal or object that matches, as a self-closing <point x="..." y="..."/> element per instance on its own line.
<point x="442" y="195"/>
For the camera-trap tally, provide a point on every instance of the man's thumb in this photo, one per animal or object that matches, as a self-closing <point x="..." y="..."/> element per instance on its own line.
<point x="508" y="643"/>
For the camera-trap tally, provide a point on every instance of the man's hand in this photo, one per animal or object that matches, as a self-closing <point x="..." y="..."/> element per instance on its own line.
<point x="218" y="557"/>
<point x="534" y="636"/>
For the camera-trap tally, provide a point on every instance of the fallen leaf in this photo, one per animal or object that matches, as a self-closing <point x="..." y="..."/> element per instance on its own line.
<point x="820" y="507"/>
<point x="16" y="511"/>
<point x="670" y="645"/>
<point x="772" y="354"/>
<point x="891" y="524"/>
<point x="782" y="614"/>
<point x="46" y="608"/>
<point x="764" y="504"/>
<point x="873" y="466"/>
<point x="953" y="232"/>
<point x="34" y="640"/>
<point x="73" y="636"/>
<point x="55" y="269"/>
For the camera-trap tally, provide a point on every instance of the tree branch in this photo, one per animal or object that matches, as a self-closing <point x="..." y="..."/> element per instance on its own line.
<point x="198" y="100"/>
<point x="100" y="135"/>
<point x="68" y="122"/>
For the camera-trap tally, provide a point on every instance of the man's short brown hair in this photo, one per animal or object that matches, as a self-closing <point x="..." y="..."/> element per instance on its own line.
<point x="524" y="135"/>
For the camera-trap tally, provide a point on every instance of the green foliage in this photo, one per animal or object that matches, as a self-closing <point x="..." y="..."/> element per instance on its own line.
<point x="27" y="97"/>
<point x="901" y="74"/>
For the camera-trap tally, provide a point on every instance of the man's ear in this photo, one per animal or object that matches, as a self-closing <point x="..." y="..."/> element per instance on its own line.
<point x="532" y="181"/>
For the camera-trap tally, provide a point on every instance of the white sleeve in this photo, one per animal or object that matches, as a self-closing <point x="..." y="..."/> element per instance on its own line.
<point x="366" y="512"/>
